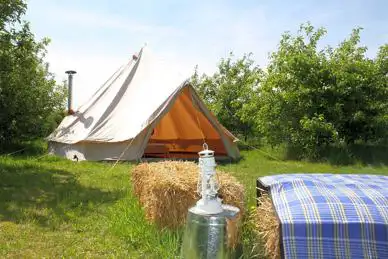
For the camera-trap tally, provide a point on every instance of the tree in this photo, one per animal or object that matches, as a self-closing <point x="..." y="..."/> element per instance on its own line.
<point x="381" y="122"/>
<point x="292" y="91"/>
<point x="11" y="11"/>
<point x="231" y="93"/>
<point x="29" y="94"/>
<point x="312" y="98"/>
<point x="358" y="86"/>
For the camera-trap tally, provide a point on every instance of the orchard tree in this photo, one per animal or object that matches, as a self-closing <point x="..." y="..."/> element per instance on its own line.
<point x="381" y="122"/>
<point x="359" y="92"/>
<point x="231" y="93"/>
<point x="29" y="95"/>
<point x="11" y="12"/>
<point x="293" y="102"/>
<point x="312" y="98"/>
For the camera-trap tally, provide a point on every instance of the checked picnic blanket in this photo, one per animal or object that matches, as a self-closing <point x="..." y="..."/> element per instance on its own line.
<point x="331" y="215"/>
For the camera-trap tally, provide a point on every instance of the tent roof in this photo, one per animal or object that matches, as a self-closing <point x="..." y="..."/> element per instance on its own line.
<point x="125" y="104"/>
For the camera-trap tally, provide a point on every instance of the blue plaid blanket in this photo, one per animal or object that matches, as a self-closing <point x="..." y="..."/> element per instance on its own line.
<point x="331" y="215"/>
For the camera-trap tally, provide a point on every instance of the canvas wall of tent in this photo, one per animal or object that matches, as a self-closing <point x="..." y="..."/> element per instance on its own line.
<point x="145" y="109"/>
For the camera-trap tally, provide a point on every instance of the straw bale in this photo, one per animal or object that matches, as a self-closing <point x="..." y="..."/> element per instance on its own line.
<point x="168" y="189"/>
<point x="267" y="226"/>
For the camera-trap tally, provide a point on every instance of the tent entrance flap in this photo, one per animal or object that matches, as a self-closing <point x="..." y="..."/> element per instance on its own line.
<point x="182" y="131"/>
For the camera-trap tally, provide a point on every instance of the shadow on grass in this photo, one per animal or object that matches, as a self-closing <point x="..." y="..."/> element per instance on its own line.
<point x="374" y="155"/>
<point x="48" y="197"/>
<point x="24" y="149"/>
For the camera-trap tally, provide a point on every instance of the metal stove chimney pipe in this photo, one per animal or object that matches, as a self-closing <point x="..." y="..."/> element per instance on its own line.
<point x="70" y="85"/>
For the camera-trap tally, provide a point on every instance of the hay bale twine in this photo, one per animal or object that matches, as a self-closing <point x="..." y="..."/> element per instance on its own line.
<point x="267" y="226"/>
<point x="168" y="189"/>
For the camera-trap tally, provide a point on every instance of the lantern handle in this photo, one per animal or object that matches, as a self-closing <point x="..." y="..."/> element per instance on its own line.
<point x="205" y="146"/>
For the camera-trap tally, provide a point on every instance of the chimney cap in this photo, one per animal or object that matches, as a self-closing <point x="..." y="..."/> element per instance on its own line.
<point x="71" y="72"/>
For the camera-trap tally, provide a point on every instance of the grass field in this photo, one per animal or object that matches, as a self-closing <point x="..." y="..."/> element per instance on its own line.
<point x="50" y="207"/>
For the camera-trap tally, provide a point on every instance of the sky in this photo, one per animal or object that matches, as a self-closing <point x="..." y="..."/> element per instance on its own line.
<point x="96" y="37"/>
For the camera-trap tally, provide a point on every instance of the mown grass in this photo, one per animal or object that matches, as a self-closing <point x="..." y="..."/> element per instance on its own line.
<point x="50" y="207"/>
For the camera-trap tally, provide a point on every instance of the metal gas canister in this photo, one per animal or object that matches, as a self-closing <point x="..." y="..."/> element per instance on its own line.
<point x="213" y="235"/>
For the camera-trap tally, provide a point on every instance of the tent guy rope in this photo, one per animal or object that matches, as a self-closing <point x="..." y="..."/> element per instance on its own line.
<point x="121" y="155"/>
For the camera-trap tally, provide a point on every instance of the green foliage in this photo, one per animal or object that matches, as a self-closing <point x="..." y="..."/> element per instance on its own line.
<point x="29" y="95"/>
<point x="232" y="93"/>
<point x="311" y="98"/>
<point x="11" y="11"/>
<point x="360" y="93"/>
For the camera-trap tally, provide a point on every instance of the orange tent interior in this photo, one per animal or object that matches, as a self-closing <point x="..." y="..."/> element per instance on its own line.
<point x="182" y="131"/>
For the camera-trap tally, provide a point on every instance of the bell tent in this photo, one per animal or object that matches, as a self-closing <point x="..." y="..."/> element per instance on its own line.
<point x="145" y="109"/>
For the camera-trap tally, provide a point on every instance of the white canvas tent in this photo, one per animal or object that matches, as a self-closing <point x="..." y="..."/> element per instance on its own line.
<point x="144" y="109"/>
